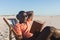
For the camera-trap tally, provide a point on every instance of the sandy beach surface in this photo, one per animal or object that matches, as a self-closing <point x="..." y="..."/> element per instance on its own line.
<point x="49" y="21"/>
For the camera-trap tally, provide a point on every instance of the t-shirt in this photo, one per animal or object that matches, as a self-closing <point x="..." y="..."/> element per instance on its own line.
<point x="23" y="29"/>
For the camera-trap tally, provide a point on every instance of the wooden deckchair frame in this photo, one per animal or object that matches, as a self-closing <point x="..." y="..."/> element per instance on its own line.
<point x="10" y="26"/>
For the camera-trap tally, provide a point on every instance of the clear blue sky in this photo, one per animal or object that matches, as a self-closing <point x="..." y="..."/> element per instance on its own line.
<point x="40" y="7"/>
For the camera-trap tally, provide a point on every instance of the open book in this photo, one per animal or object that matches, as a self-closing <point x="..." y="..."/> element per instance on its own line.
<point x="36" y="26"/>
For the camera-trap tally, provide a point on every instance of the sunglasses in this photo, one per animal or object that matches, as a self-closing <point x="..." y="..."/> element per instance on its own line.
<point x="25" y="16"/>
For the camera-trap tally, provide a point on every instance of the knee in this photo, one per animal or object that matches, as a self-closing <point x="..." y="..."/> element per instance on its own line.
<point x="52" y="29"/>
<point x="57" y="33"/>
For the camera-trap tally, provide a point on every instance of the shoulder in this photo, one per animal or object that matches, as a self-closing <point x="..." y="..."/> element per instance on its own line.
<point x="17" y="24"/>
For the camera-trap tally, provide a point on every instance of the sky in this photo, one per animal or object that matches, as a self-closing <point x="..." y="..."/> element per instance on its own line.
<point x="40" y="7"/>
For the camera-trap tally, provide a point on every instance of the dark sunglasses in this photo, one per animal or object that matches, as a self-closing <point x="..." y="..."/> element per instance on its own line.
<point x="25" y="16"/>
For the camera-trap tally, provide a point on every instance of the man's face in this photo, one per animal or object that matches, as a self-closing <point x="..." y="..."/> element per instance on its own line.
<point x="24" y="17"/>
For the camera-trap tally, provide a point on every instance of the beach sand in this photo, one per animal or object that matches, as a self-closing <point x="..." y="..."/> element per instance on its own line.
<point x="49" y="21"/>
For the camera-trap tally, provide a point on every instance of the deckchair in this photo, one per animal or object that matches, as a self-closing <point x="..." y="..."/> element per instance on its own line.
<point x="10" y="22"/>
<point x="36" y="26"/>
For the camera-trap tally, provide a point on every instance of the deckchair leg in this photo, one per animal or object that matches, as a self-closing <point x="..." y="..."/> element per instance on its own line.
<point x="10" y="32"/>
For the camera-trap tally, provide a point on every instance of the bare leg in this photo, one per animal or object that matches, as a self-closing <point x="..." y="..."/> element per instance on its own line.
<point x="57" y="34"/>
<point x="46" y="33"/>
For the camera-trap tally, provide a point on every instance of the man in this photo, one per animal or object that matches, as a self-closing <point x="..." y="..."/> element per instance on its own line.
<point x="22" y="29"/>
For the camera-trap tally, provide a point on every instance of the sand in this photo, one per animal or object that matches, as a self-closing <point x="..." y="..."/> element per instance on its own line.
<point x="49" y="21"/>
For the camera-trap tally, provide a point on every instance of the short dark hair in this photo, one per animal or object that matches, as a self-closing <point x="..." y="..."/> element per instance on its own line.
<point x="19" y="15"/>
